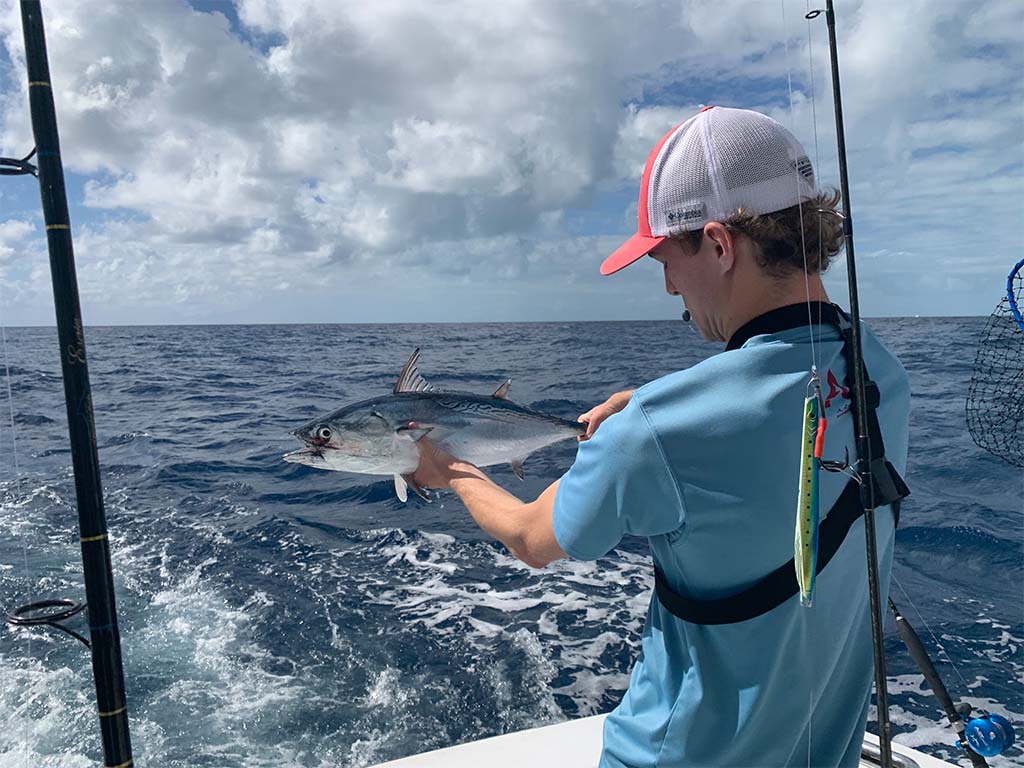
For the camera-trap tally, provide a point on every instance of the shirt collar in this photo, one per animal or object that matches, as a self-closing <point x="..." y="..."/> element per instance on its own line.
<point x="784" y="319"/>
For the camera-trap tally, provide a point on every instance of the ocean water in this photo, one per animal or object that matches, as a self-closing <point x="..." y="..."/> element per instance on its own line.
<point x="275" y="615"/>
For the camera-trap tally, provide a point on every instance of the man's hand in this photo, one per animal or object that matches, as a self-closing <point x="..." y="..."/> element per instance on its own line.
<point x="437" y="467"/>
<point x="599" y="413"/>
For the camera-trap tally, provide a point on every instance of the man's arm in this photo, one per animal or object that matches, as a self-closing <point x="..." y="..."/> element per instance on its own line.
<point x="524" y="527"/>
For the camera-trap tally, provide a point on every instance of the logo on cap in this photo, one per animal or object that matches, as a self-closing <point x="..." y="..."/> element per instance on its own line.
<point x="687" y="215"/>
<point x="803" y="167"/>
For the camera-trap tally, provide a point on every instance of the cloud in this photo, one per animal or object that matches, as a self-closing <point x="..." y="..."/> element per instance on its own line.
<point x="12" y="233"/>
<point x="316" y="144"/>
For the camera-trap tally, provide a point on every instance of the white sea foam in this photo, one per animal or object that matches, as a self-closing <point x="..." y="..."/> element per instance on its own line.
<point x="49" y="714"/>
<point x="367" y="751"/>
<point x="213" y="674"/>
<point x="603" y="604"/>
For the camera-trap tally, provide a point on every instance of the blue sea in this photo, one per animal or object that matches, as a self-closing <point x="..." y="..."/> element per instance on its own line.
<point x="276" y="615"/>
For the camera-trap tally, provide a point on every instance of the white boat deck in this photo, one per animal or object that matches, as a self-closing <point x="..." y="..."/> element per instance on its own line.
<point x="577" y="744"/>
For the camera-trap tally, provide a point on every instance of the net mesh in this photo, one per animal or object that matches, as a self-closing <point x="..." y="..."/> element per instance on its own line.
<point x="995" y="399"/>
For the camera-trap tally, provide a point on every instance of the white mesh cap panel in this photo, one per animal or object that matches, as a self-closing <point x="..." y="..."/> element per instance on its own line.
<point x="722" y="160"/>
<point x="761" y="163"/>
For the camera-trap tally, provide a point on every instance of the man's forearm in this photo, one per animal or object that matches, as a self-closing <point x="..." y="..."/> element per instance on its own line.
<point x="511" y="521"/>
<point x="495" y="510"/>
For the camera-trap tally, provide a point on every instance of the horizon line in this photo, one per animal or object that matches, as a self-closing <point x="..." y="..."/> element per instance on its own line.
<point x="443" y="322"/>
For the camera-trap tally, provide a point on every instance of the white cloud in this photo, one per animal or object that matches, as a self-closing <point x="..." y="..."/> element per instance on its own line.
<point x="449" y="158"/>
<point x="12" y="233"/>
<point x="640" y="130"/>
<point x="339" y="141"/>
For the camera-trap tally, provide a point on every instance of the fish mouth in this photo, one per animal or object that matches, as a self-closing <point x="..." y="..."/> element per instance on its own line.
<point x="303" y="455"/>
<point x="313" y="448"/>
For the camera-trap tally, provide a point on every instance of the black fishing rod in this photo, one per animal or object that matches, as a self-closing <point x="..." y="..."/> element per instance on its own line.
<point x="864" y="458"/>
<point x="931" y="676"/>
<point x="99" y="580"/>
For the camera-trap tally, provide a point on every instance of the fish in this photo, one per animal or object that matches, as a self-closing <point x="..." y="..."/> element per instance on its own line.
<point x="378" y="436"/>
<point x="805" y="542"/>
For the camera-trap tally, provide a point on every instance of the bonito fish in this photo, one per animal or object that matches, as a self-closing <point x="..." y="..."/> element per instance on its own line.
<point x="378" y="436"/>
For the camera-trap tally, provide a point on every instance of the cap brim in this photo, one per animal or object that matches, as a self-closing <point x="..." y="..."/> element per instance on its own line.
<point x="633" y="249"/>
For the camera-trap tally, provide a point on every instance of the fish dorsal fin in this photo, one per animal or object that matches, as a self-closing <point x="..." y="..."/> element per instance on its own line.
<point x="502" y="391"/>
<point x="409" y="380"/>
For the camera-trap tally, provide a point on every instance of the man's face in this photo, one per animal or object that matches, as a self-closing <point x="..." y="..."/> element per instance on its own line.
<point x="691" y="276"/>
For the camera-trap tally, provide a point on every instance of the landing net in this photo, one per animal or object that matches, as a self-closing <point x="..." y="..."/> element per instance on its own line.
<point x="995" y="400"/>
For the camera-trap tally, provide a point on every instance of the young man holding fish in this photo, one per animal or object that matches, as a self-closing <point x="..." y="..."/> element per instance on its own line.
<point x="704" y="463"/>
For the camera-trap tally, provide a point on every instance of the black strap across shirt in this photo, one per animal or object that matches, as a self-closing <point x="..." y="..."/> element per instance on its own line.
<point x="780" y="585"/>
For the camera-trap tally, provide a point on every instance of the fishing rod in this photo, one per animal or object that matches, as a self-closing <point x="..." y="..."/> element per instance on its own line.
<point x="989" y="734"/>
<point x="99" y="579"/>
<point x="953" y="712"/>
<point x="864" y="459"/>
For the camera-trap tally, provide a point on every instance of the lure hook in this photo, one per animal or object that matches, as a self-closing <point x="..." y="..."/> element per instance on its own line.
<point x="831" y="465"/>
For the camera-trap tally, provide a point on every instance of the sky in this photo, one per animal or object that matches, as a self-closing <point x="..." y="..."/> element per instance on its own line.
<point x="308" y="161"/>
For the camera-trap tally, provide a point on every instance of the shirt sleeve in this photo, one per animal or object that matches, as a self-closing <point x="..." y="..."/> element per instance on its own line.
<point x="620" y="483"/>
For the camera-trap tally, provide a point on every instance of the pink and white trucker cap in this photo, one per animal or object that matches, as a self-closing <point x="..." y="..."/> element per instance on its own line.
<point x="718" y="161"/>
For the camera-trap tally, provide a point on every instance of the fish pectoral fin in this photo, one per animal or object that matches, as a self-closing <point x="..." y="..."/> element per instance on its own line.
<point x="414" y="430"/>
<point x="517" y="468"/>
<point x="421" y="492"/>
<point x="502" y="392"/>
<point x="401" y="489"/>
<point x="409" y="380"/>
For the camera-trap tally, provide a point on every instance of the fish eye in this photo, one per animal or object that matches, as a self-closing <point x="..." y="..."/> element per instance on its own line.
<point x="324" y="433"/>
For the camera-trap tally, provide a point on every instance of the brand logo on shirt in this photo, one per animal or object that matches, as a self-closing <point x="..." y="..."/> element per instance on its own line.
<point x="835" y="389"/>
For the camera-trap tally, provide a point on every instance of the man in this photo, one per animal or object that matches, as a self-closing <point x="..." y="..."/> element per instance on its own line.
<point x="705" y="463"/>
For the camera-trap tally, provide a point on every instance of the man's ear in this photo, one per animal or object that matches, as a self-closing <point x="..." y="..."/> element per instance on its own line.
<point x="725" y="244"/>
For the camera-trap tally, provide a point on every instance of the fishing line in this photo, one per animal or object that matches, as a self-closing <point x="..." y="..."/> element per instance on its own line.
<point x="17" y="472"/>
<point x="810" y="711"/>
<point x="800" y="204"/>
<point x="814" y="126"/>
<point x="804" y="630"/>
<point x="932" y="634"/>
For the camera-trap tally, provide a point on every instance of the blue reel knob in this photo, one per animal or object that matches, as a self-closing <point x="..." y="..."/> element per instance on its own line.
<point x="989" y="735"/>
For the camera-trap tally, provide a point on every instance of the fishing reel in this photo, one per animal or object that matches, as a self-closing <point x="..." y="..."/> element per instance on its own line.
<point x="989" y="735"/>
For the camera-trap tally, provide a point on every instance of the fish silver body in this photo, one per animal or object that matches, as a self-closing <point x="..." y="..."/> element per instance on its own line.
<point x="378" y="436"/>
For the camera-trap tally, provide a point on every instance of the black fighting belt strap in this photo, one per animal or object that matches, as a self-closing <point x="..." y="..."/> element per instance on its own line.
<point x="889" y="489"/>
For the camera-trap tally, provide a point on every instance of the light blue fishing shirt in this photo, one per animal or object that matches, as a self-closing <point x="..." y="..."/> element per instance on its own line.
<point x="704" y="463"/>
